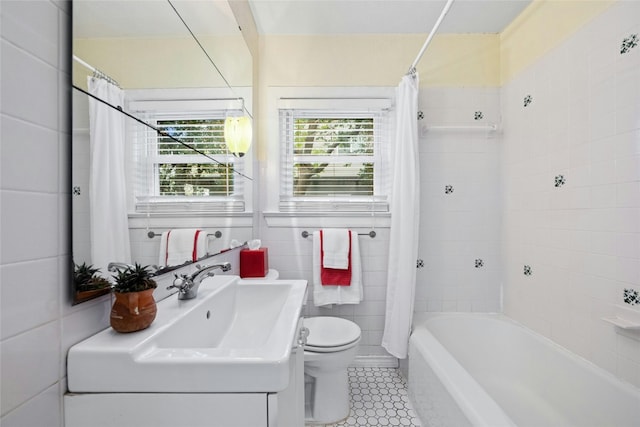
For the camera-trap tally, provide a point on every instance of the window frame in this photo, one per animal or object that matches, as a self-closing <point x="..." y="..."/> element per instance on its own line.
<point x="175" y="104"/>
<point x="377" y="109"/>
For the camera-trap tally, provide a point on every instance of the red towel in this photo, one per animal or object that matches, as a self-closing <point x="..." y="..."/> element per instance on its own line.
<point x="332" y="276"/>
<point x="194" y="255"/>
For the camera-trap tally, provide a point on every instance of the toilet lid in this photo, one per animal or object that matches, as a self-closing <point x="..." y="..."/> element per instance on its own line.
<point x="331" y="332"/>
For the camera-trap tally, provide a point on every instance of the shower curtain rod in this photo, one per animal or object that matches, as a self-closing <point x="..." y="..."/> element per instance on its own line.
<point x="412" y="69"/>
<point x="96" y="71"/>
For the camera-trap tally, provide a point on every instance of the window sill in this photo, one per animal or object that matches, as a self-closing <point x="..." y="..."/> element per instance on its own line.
<point x="191" y="219"/>
<point x="327" y="219"/>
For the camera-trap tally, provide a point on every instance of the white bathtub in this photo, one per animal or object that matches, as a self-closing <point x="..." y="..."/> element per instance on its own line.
<point x="487" y="370"/>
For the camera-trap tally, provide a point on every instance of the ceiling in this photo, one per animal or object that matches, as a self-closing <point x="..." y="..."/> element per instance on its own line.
<point x="382" y="16"/>
<point x="155" y="18"/>
<point x="151" y="18"/>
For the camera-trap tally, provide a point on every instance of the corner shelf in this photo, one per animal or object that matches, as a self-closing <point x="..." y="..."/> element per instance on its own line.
<point x="625" y="318"/>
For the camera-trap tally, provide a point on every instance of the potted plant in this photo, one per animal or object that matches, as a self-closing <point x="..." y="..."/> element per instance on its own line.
<point x="88" y="283"/>
<point x="134" y="308"/>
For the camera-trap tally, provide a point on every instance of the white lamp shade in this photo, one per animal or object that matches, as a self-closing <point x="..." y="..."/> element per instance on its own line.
<point x="237" y="135"/>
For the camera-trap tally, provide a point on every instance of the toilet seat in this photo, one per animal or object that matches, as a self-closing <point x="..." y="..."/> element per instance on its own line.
<point x="330" y="334"/>
<point x="313" y="349"/>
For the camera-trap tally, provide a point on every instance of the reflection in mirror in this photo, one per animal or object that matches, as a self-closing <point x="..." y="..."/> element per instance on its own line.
<point x="139" y="194"/>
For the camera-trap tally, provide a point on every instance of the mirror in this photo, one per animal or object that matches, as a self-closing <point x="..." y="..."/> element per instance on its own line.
<point x="169" y="59"/>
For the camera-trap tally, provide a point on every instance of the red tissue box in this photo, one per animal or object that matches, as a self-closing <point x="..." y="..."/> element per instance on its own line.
<point x="254" y="263"/>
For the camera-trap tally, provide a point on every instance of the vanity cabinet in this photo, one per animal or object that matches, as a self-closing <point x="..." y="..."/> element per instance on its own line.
<point x="286" y="409"/>
<point x="166" y="410"/>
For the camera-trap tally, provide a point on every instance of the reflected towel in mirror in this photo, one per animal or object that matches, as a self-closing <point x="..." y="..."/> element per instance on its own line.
<point x="178" y="246"/>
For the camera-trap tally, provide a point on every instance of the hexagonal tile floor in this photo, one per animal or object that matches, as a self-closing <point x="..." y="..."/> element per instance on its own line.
<point x="378" y="398"/>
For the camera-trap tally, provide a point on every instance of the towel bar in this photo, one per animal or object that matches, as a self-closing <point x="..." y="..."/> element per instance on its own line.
<point x="371" y="234"/>
<point x="217" y="234"/>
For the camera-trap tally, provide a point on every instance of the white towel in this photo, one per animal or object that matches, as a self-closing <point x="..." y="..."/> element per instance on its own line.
<point x="177" y="246"/>
<point x="335" y="246"/>
<point x="326" y="295"/>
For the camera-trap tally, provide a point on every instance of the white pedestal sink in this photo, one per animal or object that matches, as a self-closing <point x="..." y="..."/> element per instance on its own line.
<point x="234" y="339"/>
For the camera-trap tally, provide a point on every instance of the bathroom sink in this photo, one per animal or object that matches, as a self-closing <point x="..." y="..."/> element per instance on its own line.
<point x="236" y="336"/>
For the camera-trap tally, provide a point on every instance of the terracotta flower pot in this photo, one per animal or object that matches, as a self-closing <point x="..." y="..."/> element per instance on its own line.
<point x="87" y="295"/>
<point x="133" y="311"/>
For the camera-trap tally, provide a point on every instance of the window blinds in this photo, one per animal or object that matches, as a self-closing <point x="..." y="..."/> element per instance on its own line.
<point x="334" y="160"/>
<point x="170" y="176"/>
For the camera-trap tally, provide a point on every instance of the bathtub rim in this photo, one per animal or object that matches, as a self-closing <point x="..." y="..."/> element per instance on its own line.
<point x="422" y="318"/>
<point x="420" y="328"/>
<point x="458" y="382"/>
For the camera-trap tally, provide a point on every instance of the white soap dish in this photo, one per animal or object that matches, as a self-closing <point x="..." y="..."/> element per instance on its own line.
<point x="625" y="318"/>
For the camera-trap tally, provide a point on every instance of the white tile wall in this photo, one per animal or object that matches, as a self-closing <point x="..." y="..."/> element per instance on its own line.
<point x="41" y="410"/>
<point x="460" y="227"/>
<point x="38" y="322"/>
<point x="582" y="239"/>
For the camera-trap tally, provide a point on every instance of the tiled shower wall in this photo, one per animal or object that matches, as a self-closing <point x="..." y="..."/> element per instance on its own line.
<point x="459" y="255"/>
<point x="571" y="177"/>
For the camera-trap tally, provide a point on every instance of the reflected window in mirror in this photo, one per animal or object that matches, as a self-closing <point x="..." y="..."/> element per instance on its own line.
<point x="170" y="175"/>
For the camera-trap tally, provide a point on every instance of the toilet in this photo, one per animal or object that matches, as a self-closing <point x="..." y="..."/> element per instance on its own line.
<point x="332" y="344"/>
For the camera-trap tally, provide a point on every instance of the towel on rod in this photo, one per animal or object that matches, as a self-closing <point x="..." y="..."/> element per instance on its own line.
<point x="336" y="276"/>
<point x="178" y="246"/>
<point x="336" y="248"/>
<point x="332" y="294"/>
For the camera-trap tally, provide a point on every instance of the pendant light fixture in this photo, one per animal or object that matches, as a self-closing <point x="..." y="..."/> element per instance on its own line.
<point x="237" y="134"/>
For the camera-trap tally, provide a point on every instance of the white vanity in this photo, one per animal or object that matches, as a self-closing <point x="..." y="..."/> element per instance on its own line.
<point x="226" y="358"/>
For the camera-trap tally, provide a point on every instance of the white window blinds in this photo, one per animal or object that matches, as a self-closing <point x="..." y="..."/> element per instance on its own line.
<point x="186" y="165"/>
<point x="334" y="159"/>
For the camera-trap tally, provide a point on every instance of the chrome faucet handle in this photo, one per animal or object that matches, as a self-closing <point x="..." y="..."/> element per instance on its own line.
<point x="180" y="282"/>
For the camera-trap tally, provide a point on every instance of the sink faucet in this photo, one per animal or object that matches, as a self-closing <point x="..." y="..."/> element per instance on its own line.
<point x="188" y="285"/>
<point x="114" y="267"/>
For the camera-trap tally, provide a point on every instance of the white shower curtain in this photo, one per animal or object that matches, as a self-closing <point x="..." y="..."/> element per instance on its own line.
<point x="405" y="215"/>
<point x="107" y="192"/>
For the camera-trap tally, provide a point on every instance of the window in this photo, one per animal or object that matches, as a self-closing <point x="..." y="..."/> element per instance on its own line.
<point x="199" y="176"/>
<point x="183" y="172"/>
<point x="334" y="160"/>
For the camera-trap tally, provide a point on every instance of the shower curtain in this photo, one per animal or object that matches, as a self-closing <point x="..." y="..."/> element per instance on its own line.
<point x="405" y="215"/>
<point x="107" y="189"/>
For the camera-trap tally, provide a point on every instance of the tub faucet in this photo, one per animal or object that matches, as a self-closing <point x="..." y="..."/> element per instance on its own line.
<point x="188" y="285"/>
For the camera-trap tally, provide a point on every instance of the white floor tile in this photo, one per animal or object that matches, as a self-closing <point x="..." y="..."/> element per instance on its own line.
<point x="378" y="398"/>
